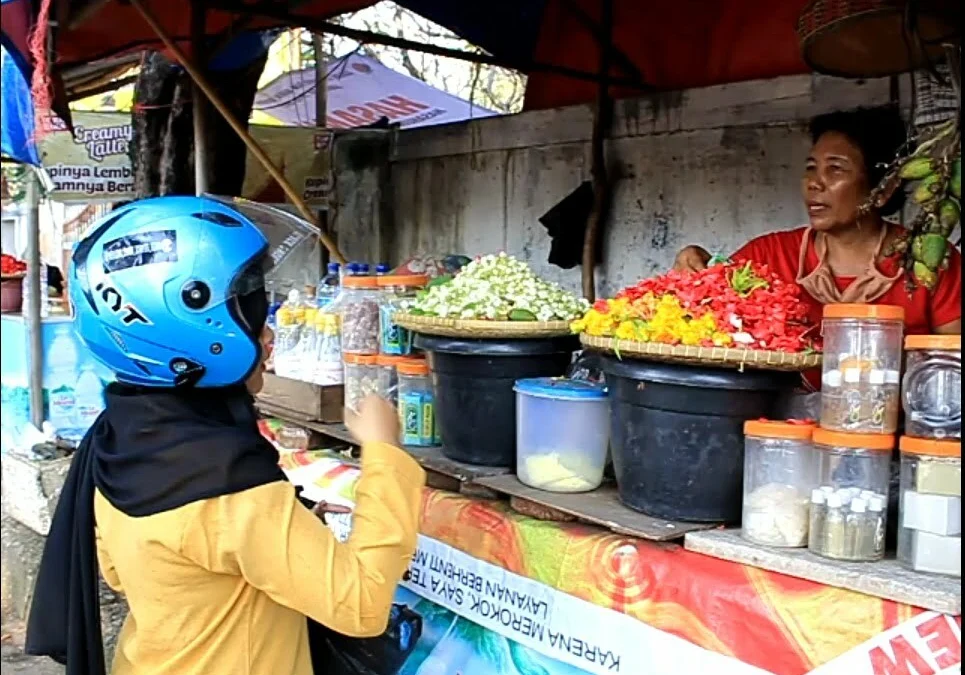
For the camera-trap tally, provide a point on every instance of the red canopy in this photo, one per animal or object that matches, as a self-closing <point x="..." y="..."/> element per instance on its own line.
<point x="673" y="44"/>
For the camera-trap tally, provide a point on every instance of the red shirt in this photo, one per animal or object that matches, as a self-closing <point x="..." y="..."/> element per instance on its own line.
<point x="924" y="311"/>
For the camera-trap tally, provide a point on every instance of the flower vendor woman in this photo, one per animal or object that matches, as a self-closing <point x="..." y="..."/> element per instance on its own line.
<point x="846" y="255"/>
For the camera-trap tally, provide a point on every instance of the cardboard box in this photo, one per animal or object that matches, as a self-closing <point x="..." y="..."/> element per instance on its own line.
<point x="302" y="400"/>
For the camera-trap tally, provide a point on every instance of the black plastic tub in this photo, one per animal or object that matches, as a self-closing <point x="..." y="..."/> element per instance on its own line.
<point x="472" y="381"/>
<point x="677" y="435"/>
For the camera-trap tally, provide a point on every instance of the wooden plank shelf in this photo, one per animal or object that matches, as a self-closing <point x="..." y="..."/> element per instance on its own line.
<point x="600" y="507"/>
<point x="885" y="579"/>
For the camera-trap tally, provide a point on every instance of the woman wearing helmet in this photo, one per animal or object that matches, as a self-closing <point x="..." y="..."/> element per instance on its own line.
<point x="175" y="493"/>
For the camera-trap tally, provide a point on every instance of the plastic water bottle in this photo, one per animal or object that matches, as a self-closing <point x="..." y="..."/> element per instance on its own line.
<point x="60" y="377"/>
<point x="381" y="269"/>
<point x="44" y="302"/>
<point x="89" y="396"/>
<point x="289" y="319"/>
<point x="365" y="270"/>
<point x="328" y="286"/>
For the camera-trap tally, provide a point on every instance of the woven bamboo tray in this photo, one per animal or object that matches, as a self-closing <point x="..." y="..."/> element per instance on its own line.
<point x="704" y="356"/>
<point x="481" y="329"/>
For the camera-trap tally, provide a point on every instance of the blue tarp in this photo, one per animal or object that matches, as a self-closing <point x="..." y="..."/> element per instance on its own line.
<point x="16" y="113"/>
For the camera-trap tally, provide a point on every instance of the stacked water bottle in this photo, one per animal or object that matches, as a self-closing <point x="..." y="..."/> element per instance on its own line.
<point x="307" y="344"/>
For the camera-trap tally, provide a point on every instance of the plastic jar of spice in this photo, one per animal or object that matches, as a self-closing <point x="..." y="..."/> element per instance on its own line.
<point x="861" y="380"/>
<point x="395" y="290"/>
<point x="930" y="532"/>
<point x="417" y="409"/>
<point x="361" y="378"/>
<point x="932" y="388"/>
<point x="388" y="376"/>
<point x="849" y="507"/>
<point x="780" y="471"/>
<point x="358" y="307"/>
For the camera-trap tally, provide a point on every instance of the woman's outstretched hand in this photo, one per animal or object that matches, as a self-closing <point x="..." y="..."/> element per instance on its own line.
<point x="691" y="259"/>
<point x="375" y="422"/>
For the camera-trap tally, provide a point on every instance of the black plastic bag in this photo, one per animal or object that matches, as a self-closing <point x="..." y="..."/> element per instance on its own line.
<point x="337" y="654"/>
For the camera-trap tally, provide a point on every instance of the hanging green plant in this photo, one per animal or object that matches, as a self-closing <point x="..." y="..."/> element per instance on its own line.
<point x="932" y="174"/>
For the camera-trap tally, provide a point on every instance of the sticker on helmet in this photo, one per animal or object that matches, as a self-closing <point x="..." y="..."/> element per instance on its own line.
<point x="144" y="248"/>
<point x="118" y="305"/>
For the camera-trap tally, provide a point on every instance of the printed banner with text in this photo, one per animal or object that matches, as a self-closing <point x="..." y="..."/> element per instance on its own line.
<point x="94" y="163"/>
<point x="593" y="602"/>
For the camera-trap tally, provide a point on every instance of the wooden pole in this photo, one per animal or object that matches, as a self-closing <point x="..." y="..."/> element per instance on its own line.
<point x="601" y="187"/>
<point x="237" y="126"/>
<point x="33" y="315"/>
<point x="321" y="118"/>
<point x="199" y="106"/>
<point x="321" y="81"/>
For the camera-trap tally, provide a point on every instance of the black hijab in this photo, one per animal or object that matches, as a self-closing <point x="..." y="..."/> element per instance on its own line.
<point x="149" y="452"/>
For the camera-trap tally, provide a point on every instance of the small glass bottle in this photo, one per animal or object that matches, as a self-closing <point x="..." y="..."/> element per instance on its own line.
<point x="833" y="541"/>
<point x="876" y="526"/>
<point x="856" y="529"/>
<point x="819" y="512"/>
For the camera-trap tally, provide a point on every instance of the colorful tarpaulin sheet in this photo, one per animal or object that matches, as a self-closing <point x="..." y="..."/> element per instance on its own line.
<point x="606" y="603"/>
<point x="359" y="91"/>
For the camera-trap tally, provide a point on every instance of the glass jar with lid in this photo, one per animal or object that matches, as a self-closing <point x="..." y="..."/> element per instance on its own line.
<point x="780" y="471"/>
<point x="358" y="308"/>
<point x="930" y="532"/>
<point x="361" y="378"/>
<point x="849" y="507"/>
<point x="417" y="410"/>
<point x="396" y="289"/>
<point x="932" y="387"/>
<point x="861" y="378"/>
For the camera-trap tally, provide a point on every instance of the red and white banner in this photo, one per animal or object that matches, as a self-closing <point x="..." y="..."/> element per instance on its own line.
<point x="929" y="644"/>
<point x="361" y="91"/>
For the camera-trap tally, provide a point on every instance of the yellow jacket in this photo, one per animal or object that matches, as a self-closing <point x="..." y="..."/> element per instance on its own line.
<point x="222" y="586"/>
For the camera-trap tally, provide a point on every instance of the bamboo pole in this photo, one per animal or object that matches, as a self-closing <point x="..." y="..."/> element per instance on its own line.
<point x="238" y="128"/>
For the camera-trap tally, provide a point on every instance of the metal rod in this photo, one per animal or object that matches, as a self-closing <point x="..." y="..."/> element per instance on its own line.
<point x="32" y="317"/>
<point x="271" y="11"/>
<point x="198" y="107"/>
<point x="238" y="127"/>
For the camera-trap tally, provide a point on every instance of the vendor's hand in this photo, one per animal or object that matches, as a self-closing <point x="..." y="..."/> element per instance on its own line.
<point x="691" y="259"/>
<point x="376" y="422"/>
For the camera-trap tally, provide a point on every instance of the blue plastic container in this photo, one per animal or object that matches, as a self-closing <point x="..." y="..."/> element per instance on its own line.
<point x="562" y="434"/>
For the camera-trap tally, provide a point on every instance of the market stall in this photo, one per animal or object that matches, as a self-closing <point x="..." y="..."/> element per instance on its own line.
<point x="499" y="592"/>
<point x="797" y="580"/>
<point x="473" y="361"/>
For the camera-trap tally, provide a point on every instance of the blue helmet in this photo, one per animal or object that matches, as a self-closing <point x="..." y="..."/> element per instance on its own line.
<point x="170" y="291"/>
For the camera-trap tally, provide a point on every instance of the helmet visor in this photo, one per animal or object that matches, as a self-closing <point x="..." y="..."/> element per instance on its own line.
<point x="284" y="231"/>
